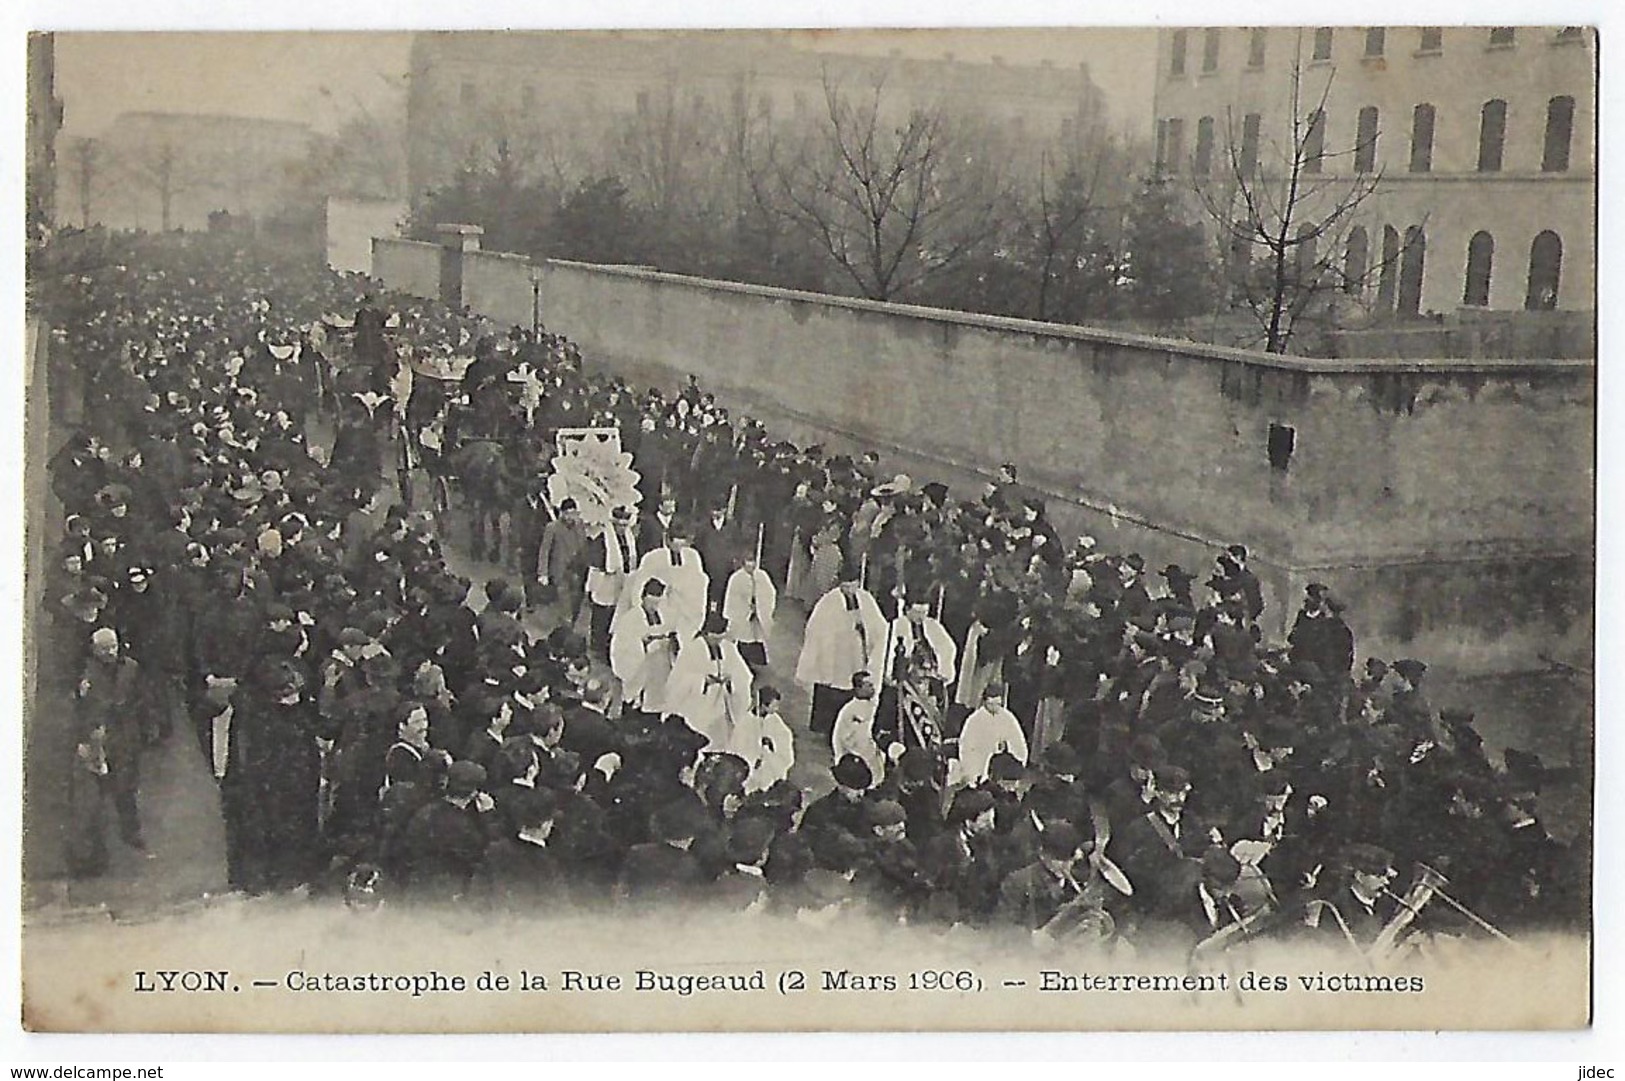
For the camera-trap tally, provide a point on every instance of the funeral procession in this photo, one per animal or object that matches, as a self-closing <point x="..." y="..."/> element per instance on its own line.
<point x="809" y="491"/>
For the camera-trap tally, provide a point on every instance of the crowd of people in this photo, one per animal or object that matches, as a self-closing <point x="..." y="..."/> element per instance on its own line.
<point x="1022" y="730"/>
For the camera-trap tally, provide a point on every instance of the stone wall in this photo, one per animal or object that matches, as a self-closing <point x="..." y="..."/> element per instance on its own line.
<point x="1452" y="499"/>
<point x="411" y="266"/>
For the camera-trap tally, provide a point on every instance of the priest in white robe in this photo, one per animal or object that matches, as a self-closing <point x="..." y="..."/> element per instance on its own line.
<point x="748" y="605"/>
<point x="642" y="650"/>
<point x="765" y="742"/>
<point x="678" y="565"/>
<point x="846" y="633"/>
<point x="710" y="686"/>
<point x="854" y="730"/>
<point x="990" y="729"/>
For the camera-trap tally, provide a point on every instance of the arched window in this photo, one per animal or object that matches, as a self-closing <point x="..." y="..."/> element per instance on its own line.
<point x="1210" y="49"/>
<point x="1559" y="131"/>
<point x="1545" y="271"/>
<point x="1412" y="265"/>
<point x="1174" y="148"/>
<point x="1355" y="256"/>
<point x="1249" y="143"/>
<point x="1314" y="142"/>
<point x="1204" y="147"/>
<point x="1365" y="141"/>
<point x="1389" y="274"/>
<point x="1307" y="256"/>
<point x="1422" y="139"/>
<point x="1323" y="43"/>
<point x="1480" y="258"/>
<point x="1492" y="130"/>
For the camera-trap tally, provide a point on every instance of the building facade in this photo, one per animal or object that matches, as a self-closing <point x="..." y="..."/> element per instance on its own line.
<point x="1481" y="142"/>
<point x="574" y="90"/>
<point x="44" y="121"/>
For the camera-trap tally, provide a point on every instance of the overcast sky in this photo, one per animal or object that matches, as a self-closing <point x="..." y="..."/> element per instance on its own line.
<point x="322" y="78"/>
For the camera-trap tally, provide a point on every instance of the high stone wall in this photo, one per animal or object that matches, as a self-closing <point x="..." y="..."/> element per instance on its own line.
<point x="1450" y="500"/>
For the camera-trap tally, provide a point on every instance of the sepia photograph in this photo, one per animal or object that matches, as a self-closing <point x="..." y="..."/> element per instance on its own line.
<point x="1002" y="530"/>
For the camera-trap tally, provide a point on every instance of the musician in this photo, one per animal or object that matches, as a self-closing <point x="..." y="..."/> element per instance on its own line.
<point x="1227" y="893"/>
<point x="748" y="605"/>
<point x="1355" y="905"/>
<point x="1153" y="847"/>
<point x="846" y="633"/>
<point x="710" y="685"/>
<point x="642" y="650"/>
<point x="989" y="730"/>
<point x="1034" y="896"/>
<point x="612" y="556"/>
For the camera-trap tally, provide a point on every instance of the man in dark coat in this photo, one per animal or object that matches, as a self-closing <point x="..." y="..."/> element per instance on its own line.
<point x="271" y="788"/>
<point x="444" y="844"/>
<point x="1321" y="637"/>
<point x="107" y="755"/>
<point x="561" y="563"/>
<point x="665" y="869"/>
<point x="522" y="870"/>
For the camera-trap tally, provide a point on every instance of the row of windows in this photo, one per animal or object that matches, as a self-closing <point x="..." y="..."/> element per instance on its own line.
<point x="1403" y="264"/>
<point x="1430" y="41"/>
<point x="1491" y="140"/>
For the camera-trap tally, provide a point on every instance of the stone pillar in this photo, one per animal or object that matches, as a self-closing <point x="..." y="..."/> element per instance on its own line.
<point x="456" y="241"/>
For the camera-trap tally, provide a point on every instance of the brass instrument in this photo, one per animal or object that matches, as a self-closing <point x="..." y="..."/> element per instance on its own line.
<point x="1427" y="885"/>
<point x="1424" y="887"/>
<point x="1244" y="928"/>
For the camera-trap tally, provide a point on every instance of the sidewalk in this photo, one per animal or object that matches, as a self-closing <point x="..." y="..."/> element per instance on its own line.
<point x="179" y="800"/>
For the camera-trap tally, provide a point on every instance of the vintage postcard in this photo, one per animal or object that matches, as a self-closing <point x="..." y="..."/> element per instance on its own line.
<point x="606" y="531"/>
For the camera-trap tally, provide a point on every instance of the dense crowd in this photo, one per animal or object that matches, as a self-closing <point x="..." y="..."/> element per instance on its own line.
<point x="1022" y="730"/>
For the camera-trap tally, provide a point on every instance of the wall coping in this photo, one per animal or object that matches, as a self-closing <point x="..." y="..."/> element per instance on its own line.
<point x="508" y="255"/>
<point x="1145" y="342"/>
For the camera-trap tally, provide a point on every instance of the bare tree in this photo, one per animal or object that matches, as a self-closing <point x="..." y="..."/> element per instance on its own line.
<point x="891" y="202"/>
<point x="1073" y="214"/>
<point x="663" y="142"/>
<point x="163" y="171"/>
<point x="88" y="168"/>
<point x="1286" y="211"/>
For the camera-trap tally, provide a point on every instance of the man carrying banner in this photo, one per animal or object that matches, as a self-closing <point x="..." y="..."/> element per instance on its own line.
<point x="612" y="556"/>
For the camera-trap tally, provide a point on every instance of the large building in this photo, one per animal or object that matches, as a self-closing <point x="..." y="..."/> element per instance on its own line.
<point x="1481" y="140"/>
<point x="574" y="89"/>
<point x="44" y="121"/>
